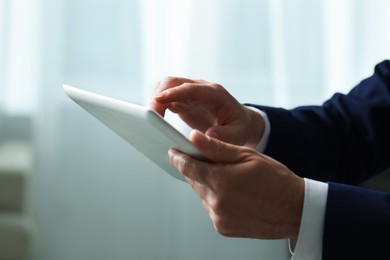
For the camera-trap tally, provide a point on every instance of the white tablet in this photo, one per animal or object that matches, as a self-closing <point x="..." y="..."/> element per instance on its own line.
<point x="143" y="128"/>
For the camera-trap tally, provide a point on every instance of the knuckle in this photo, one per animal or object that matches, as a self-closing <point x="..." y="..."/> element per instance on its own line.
<point x="192" y="183"/>
<point x="219" y="206"/>
<point x="184" y="165"/>
<point x="187" y="84"/>
<point x="201" y="81"/>
<point x="219" y="89"/>
<point x="221" y="226"/>
<point x="180" y="162"/>
<point x="205" y="206"/>
<point x="226" y="233"/>
<point x="216" y="86"/>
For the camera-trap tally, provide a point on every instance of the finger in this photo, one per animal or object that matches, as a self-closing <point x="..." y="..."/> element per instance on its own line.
<point x="194" y="91"/>
<point x="167" y="83"/>
<point x="157" y="106"/>
<point x="192" y="169"/>
<point x="216" y="150"/>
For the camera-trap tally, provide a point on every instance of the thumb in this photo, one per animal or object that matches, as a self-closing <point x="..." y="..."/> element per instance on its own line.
<point x="216" y="150"/>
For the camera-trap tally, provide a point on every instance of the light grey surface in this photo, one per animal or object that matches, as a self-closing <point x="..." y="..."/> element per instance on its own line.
<point x="15" y="222"/>
<point x="15" y="236"/>
<point x="15" y="127"/>
<point x="15" y="164"/>
<point x="15" y="161"/>
<point x="1" y="121"/>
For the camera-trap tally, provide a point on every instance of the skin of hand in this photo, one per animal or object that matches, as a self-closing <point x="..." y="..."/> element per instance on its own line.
<point x="209" y="108"/>
<point x="246" y="194"/>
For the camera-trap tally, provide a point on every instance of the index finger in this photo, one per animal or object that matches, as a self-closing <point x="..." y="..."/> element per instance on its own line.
<point x="167" y="83"/>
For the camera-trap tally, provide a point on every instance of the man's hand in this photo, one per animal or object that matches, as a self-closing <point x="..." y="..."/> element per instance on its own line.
<point x="246" y="194"/>
<point x="209" y="108"/>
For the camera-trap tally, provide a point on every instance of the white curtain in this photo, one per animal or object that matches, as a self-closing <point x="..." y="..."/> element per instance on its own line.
<point x="97" y="198"/>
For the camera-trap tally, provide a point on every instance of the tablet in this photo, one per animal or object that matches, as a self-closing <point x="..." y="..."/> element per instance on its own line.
<point x="143" y="128"/>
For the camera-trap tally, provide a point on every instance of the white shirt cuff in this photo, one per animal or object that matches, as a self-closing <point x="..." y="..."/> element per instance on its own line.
<point x="309" y="244"/>
<point x="267" y="129"/>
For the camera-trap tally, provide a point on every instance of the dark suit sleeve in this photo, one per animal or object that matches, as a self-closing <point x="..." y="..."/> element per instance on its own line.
<point x="346" y="140"/>
<point x="357" y="223"/>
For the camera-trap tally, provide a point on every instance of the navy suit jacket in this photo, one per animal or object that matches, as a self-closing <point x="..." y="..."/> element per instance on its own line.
<point x="343" y="142"/>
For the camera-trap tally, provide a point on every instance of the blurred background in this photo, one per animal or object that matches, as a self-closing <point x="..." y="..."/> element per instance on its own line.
<point x="71" y="189"/>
